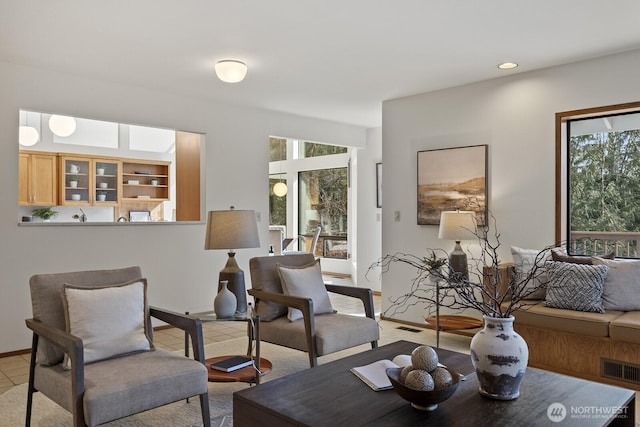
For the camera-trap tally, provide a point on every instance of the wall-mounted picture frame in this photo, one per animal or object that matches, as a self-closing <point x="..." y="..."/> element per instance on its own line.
<point x="378" y="185"/>
<point x="139" y="216"/>
<point x="452" y="179"/>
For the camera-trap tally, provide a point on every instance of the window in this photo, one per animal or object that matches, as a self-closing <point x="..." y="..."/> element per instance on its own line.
<point x="601" y="164"/>
<point x="315" y="176"/>
<point x="323" y="202"/>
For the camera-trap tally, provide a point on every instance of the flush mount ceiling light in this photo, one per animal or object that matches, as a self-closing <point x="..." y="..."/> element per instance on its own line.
<point x="507" y="65"/>
<point x="231" y="71"/>
<point x="62" y="125"/>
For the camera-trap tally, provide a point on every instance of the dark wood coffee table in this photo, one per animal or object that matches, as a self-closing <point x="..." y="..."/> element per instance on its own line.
<point x="330" y="394"/>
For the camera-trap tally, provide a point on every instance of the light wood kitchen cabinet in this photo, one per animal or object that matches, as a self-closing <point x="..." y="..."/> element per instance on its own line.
<point x="145" y="180"/>
<point x="89" y="181"/>
<point x="38" y="177"/>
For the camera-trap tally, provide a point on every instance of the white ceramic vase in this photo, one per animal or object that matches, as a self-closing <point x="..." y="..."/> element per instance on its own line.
<point x="225" y="303"/>
<point x="500" y="358"/>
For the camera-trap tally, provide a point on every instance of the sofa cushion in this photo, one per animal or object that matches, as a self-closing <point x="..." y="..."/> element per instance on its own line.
<point x="264" y="277"/>
<point x="626" y="327"/>
<point x="622" y="284"/>
<point x="523" y="261"/>
<point x="110" y="320"/>
<point x="151" y="379"/>
<point x="334" y="332"/>
<point x="305" y="281"/>
<point x="576" y="286"/>
<point x="571" y="321"/>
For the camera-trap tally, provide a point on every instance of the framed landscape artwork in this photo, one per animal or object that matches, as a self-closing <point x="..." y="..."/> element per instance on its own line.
<point x="452" y="179"/>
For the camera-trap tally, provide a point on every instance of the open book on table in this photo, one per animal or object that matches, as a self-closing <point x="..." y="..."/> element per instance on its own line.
<point x="375" y="374"/>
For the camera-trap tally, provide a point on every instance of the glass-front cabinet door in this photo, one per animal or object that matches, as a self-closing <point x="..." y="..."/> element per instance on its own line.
<point x="75" y="181"/>
<point x="107" y="180"/>
<point x="87" y="181"/>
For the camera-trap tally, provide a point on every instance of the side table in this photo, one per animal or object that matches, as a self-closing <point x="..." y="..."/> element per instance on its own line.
<point x="250" y="374"/>
<point x="449" y="322"/>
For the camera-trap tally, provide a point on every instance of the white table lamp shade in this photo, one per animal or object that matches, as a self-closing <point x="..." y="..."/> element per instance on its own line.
<point x="457" y="225"/>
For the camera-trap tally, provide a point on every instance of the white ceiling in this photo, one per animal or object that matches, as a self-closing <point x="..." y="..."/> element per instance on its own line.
<point x="330" y="59"/>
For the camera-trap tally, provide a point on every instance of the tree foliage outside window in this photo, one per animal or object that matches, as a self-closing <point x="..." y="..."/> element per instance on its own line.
<point x="604" y="182"/>
<point x="323" y="201"/>
<point x="277" y="149"/>
<point x="312" y="149"/>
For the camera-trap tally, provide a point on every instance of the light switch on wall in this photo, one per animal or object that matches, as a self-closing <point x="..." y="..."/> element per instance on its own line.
<point x="258" y="216"/>
<point x="396" y="216"/>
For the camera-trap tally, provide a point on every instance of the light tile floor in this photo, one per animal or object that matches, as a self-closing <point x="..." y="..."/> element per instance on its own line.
<point x="14" y="370"/>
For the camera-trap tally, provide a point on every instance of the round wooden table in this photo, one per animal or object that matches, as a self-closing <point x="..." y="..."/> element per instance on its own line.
<point x="450" y="322"/>
<point x="247" y="374"/>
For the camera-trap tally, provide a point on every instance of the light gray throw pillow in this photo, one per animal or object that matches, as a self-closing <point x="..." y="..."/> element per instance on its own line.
<point x="305" y="281"/>
<point x="523" y="261"/>
<point x="622" y="284"/>
<point x="110" y="320"/>
<point x="576" y="286"/>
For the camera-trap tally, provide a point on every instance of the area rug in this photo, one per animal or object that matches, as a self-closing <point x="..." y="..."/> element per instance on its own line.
<point x="285" y="361"/>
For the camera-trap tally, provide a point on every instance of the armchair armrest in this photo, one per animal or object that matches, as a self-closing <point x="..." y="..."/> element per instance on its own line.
<point x="305" y="305"/>
<point x="72" y="346"/>
<point x="191" y="326"/>
<point x="364" y="294"/>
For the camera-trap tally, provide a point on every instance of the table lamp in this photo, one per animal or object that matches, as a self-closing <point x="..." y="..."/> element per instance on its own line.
<point x="232" y="229"/>
<point x="457" y="226"/>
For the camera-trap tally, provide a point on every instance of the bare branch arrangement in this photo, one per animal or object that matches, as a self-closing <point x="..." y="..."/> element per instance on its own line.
<point x="486" y="290"/>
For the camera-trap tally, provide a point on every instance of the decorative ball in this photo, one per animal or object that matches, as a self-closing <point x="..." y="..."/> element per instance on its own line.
<point x="425" y="358"/>
<point x="419" y="380"/>
<point x="441" y="377"/>
<point x="405" y="371"/>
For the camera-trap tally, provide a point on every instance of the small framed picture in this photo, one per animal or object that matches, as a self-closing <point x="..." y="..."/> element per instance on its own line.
<point x="139" y="216"/>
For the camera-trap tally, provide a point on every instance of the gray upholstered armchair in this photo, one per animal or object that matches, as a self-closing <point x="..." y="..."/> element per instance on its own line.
<point x="120" y="385"/>
<point x="317" y="334"/>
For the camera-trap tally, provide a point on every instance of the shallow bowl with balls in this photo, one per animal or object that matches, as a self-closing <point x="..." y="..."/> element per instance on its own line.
<point x="423" y="400"/>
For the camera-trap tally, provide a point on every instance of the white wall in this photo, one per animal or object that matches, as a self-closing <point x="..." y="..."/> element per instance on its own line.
<point x="181" y="273"/>
<point x="367" y="242"/>
<point x="515" y="116"/>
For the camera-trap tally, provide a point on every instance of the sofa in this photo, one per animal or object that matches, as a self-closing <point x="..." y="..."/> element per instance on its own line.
<point x="600" y="346"/>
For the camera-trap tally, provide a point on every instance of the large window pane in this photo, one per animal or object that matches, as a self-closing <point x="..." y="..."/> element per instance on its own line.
<point x="603" y="181"/>
<point x="323" y="201"/>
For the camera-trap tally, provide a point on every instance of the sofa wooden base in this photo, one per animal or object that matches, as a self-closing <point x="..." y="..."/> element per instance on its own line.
<point x="577" y="355"/>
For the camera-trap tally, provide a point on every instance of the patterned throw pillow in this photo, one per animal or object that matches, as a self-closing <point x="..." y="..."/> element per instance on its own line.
<point x="576" y="286"/>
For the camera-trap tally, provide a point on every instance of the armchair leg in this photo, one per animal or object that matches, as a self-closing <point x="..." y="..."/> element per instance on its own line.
<point x="31" y="389"/>
<point x="204" y="407"/>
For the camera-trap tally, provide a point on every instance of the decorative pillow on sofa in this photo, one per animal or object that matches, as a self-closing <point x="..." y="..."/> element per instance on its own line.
<point x="305" y="281"/>
<point x="561" y="255"/>
<point x="622" y="284"/>
<point x="523" y="261"/>
<point x="576" y="286"/>
<point x="110" y="320"/>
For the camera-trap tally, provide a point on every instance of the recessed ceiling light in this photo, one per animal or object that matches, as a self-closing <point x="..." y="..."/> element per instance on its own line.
<point x="507" y="65"/>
